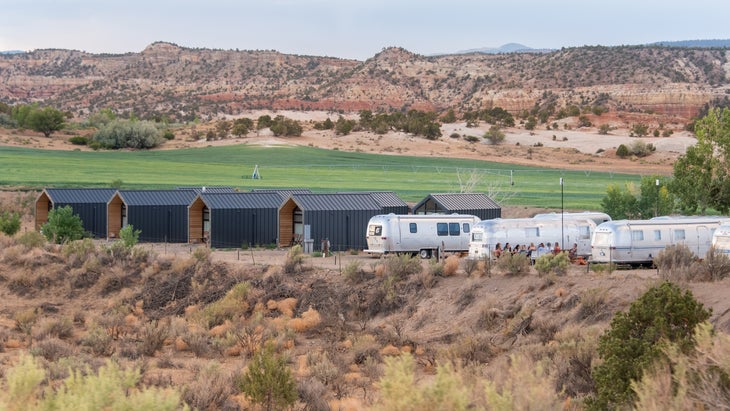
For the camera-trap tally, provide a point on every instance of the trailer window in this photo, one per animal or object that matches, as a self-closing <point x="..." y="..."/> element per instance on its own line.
<point x="465" y="227"/>
<point x="532" y="232"/>
<point x="413" y="227"/>
<point x="637" y="235"/>
<point x="375" y="230"/>
<point x="442" y="229"/>
<point x="454" y="229"/>
<point x="678" y="235"/>
<point x="476" y="237"/>
<point x="657" y="235"/>
<point x="585" y="232"/>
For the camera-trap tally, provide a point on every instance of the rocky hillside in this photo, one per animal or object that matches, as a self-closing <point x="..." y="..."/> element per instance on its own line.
<point x="184" y="83"/>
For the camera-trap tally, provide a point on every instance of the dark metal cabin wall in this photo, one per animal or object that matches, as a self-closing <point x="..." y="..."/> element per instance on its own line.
<point x="160" y="223"/>
<point x="93" y="216"/>
<point x="235" y="227"/>
<point x="345" y="229"/>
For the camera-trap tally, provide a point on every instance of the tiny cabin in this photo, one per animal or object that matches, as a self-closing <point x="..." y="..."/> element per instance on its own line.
<point x="90" y="204"/>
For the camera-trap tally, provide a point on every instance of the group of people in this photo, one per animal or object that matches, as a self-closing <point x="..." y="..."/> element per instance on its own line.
<point x="534" y="252"/>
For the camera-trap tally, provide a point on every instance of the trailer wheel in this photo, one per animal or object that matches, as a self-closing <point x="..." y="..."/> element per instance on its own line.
<point x="425" y="254"/>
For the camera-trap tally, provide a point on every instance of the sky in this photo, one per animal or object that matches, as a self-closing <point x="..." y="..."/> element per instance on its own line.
<point x="353" y="29"/>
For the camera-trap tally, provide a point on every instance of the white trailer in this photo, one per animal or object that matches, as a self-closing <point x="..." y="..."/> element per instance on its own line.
<point x="524" y="231"/>
<point x="721" y="239"/>
<point x="419" y="234"/>
<point x="597" y="216"/>
<point x="639" y="241"/>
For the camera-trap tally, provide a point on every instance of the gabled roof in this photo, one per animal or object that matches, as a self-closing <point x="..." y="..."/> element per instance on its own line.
<point x="157" y="197"/>
<point x="241" y="200"/>
<point x="461" y="201"/>
<point x="335" y="202"/>
<point x="80" y="195"/>
<point x="209" y="189"/>
<point x="383" y="198"/>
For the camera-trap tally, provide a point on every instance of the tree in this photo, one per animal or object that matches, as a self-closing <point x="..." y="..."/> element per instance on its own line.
<point x="343" y="126"/>
<point x="604" y="129"/>
<point x="701" y="175"/>
<point x="627" y="203"/>
<point x="47" y="120"/>
<point x="268" y="380"/>
<point x="494" y="135"/>
<point x="263" y="121"/>
<point x="531" y="123"/>
<point x="632" y="343"/>
<point x="619" y="204"/>
<point x="63" y="225"/>
<point x="449" y="117"/>
<point x="242" y="126"/>
<point x="222" y="128"/>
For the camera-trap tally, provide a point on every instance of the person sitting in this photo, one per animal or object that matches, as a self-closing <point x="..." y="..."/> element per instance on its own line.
<point x="497" y="250"/>
<point x="507" y="248"/>
<point x="556" y="249"/>
<point x="573" y="252"/>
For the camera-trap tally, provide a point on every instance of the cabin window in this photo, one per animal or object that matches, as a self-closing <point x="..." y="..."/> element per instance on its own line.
<point x="585" y="232"/>
<point x="678" y="235"/>
<point x="413" y="227"/>
<point x="637" y="235"/>
<point x="454" y="229"/>
<point x="657" y="235"/>
<point x="532" y="232"/>
<point x="442" y="229"/>
<point x="465" y="227"/>
<point x="476" y="237"/>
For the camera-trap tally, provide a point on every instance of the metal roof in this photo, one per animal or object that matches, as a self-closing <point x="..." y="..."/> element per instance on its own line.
<point x="335" y="201"/>
<point x="209" y="189"/>
<point x="241" y="200"/>
<point x="461" y="201"/>
<point x="157" y="197"/>
<point x="80" y="195"/>
<point x="383" y="198"/>
<point x="284" y="193"/>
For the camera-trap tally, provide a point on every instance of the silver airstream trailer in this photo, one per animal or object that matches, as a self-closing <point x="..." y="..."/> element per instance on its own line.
<point x="639" y="241"/>
<point x="421" y="234"/>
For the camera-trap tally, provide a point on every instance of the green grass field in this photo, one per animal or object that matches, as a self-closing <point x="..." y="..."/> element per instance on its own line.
<point x="412" y="178"/>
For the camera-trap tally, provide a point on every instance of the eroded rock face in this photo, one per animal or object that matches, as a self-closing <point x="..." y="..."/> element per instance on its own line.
<point x="167" y="79"/>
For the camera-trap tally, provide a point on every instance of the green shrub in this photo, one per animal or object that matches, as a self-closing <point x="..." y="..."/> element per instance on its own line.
<point x="128" y="134"/>
<point x="631" y="344"/>
<point x="294" y="260"/>
<point x="402" y="266"/>
<point x="109" y="388"/>
<point x="622" y="151"/>
<point x="9" y="222"/>
<point x="129" y="236"/>
<point x="269" y="381"/>
<point x="552" y="263"/>
<point x="513" y="264"/>
<point x="79" y="140"/>
<point x="63" y="225"/>
<point x="673" y="263"/>
<point x="398" y="389"/>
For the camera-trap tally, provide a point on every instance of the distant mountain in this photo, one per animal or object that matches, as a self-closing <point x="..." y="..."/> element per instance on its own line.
<point x="504" y="49"/>
<point x="183" y="84"/>
<point x="694" y="43"/>
<point x="12" y="52"/>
